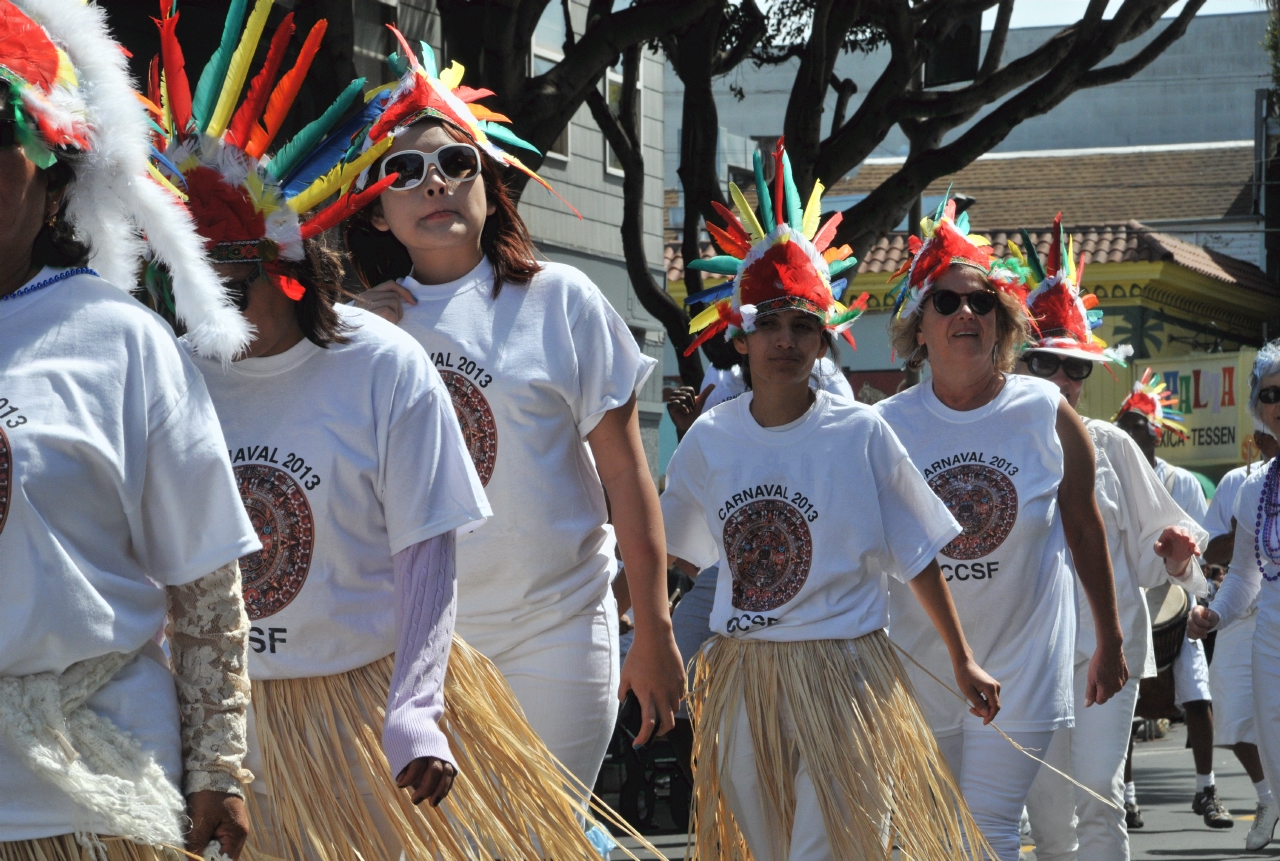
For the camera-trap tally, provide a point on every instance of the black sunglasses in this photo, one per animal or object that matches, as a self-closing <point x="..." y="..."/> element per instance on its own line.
<point x="8" y="131"/>
<point x="1047" y="364"/>
<point x="1269" y="395"/>
<point x="947" y="302"/>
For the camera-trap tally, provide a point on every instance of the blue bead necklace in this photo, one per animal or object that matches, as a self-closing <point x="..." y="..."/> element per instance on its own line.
<point x="52" y="279"/>
<point x="1266" y="537"/>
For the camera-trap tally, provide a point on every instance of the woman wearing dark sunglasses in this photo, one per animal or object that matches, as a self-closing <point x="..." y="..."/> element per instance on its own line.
<point x="544" y="375"/>
<point x="1013" y="464"/>
<point x="1150" y="540"/>
<point x="1255" y="567"/>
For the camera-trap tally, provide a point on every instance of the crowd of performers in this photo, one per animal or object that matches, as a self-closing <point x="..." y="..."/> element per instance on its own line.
<point x="331" y="578"/>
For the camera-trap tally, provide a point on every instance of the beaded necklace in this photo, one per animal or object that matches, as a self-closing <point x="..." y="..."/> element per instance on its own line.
<point x="1266" y="535"/>
<point x="52" y="279"/>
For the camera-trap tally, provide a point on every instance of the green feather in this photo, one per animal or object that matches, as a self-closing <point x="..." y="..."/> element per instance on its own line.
<point x="763" y="201"/>
<point x="288" y="157"/>
<point x="795" y="210"/>
<point x="429" y="61"/>
<point x="841" y="265"/>
<point x="720" y="265"/>
<point x="1033" y="256"/>
<point x="215" y="71"/>
<point x="506" y="136"/>
<point x="399" y="65"/>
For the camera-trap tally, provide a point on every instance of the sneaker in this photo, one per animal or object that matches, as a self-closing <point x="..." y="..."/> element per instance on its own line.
<point x="1264" y="825"/>
<point x="1132" y="815"/>
<point x="1208" y="805"/>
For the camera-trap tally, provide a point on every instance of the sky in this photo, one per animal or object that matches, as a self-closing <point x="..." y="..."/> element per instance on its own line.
<point x="1049" y="13"/>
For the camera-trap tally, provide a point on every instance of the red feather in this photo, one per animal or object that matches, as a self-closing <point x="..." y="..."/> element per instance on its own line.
<point x="26" y="49"/>
<point x="1055" y="310"/>
<point x="848" y="336"/>
<point x="779" y="184"/>
<point x="828" y="232"/>
<point x="242" y="124"/>
<point x="401" y="108"/>
<point x="285" y="92"/>
<point x="346" y="206"/>
<point x="732" y="224"/>
<point x="468" y="95"/>
<point x="1054" y="263"/>
<point x="728" y="241"/>
<point x="153" y="92"/>
<point x="175" y="70"/>
<point x="706" y="335"/>
<point x="783" y="270"/>
<point x="291" y="287"/>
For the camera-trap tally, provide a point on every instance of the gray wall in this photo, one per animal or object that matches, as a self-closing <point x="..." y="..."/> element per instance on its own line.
<point x="1200" y="89"/>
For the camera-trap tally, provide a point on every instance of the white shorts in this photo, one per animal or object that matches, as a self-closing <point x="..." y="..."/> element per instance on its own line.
<point x="1191" y="673"/>
<point x="1231" y="677"/>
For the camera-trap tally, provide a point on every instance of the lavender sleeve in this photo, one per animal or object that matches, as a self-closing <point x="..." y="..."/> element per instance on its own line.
<point x="426" y="603"/>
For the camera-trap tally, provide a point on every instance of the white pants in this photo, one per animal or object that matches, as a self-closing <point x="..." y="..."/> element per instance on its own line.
<point x="1266" y="695"/>
<point x="1191" y="673"/>
<point x="1231" y="679"/>
<point x="740" y="783"/>
<point x="994" y="779"/>
<point x="1093" y="752"/>
<point x="566" y="680"/>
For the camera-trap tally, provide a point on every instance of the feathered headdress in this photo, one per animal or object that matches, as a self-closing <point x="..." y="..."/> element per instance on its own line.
<point x="786" y="262"/>
<point x="248" y="206"/>
<point x="947" y="242"/>
<point x="71" y="98"/>
<point x="1063" y="315"/>
<point x="1154" y="401"/>
<point x="425" y="91"/>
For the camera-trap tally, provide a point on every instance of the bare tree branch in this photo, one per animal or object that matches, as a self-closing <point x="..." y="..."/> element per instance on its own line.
<point x="1139" y="61"/>
<point x="845" y="89"/>
<point x="999" y="35"/>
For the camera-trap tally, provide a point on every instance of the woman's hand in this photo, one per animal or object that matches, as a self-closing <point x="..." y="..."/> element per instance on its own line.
<point x="386" y="300"/>
<point x="1176" y="547"/>
<point x="654" y="671"/>
<point x="1201" y="621"/>
<point x="1108" y="671"/>
<point x="217" y="817"/>
<point x="427" y="777"/>
<point x="980" y="689"/>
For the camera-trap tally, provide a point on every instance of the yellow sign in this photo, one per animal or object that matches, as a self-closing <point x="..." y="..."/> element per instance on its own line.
<point x="1212" y="393"/>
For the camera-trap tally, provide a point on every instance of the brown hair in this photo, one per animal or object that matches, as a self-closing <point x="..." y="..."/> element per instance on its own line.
<point x="320" y="271"/>
<point x="377" y="255"/>
<point x="1013" y="329"/>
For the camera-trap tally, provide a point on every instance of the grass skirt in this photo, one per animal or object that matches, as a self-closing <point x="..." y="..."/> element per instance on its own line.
<point x="64" y="847"/>
<point x="854" y="721"/>
<point x="510" y="799"/>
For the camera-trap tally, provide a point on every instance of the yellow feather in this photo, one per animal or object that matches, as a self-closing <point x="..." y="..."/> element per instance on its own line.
<point x="1071" y="260"/>
<point x="452" y="76"/>
<point x="708" y="316"/>
<point x="978" y="240"/>
<point x="238" y="70"/>
<point x="1015" y="252"/>
<point x="160" y="178"/>
<point x="747" y="214"/>
<point x="66" y="74"/>
<point x="369" y="96"/>
<point x="338" y="177"/>
<point x="164" y="101"/>
<point x="813" y="211"/>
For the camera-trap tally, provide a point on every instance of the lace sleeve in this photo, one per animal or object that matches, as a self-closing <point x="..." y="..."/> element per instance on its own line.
<point x="208" y="634"/>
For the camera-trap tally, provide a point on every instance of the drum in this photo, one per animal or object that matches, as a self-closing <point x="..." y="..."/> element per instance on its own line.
<point x="1169" y="606"/>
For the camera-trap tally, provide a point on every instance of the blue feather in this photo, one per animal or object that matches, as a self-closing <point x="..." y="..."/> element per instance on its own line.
<point x="169" y="166"/>
<point x="332" y="149"/>
<point x="837" y="287"/>
<point x="297" y="148"/>
<point x="429" y="61"/>
<point x="711" y="294"/>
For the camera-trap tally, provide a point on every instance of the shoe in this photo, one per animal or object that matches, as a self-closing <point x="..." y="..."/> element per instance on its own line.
<point x="1208" y="805"/>
<point x="1132" y="815"/>
<point x="1264" y="825"/>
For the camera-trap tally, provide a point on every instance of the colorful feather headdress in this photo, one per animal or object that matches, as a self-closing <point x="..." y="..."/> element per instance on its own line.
<point x="71" y="98"/>
<point x="425" y="91"/>
<point x="249" y="206"/>
<point x="947" y="242"/>
<point x="1153" y="401"/>
<point x="784" y="262"/>
<point x="1063" y="315"/>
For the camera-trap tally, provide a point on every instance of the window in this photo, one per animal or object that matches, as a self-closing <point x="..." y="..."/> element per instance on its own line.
<point x="372" y="40"/>
<point x="613" y="95"/>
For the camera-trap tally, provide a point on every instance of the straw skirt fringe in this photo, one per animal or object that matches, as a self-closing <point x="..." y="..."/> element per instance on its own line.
<point x="846" y="709"/>
<point x="510" y="799"/>
<point x="64" y="847"/>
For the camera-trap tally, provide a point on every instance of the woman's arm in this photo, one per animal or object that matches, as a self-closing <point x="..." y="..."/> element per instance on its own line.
<point x="1086" y="536"/>
<point x="1239" y="588"/>
<point x="982" y="691"/>
<point x="208" y="633"/>
<point x="653" y="669"/>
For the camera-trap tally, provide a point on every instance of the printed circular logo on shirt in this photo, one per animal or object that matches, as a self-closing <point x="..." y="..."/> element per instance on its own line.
<point x="479" y="430"/>
<point x="281" y="516"/>
<point x="6" y="477"/>
<point x="769" y="548"/>
<point x="985" y="503"/>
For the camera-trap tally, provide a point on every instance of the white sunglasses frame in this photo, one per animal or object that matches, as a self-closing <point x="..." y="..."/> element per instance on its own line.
<point x="430" y="159"/>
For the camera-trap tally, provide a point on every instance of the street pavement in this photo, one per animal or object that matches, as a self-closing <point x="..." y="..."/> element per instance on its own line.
<point x="1165" y="776"/>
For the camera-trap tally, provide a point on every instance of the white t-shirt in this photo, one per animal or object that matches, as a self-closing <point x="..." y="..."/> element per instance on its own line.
<point x="1135" y="509"/>
<point x="826" y="375"/>
<point x="1223" y="505"/>
<point x="807" y="522"/>
<point x="114" y="482"/>
<point x="531" y="374"/>
<point x="1185" y="489"/>
<point x="1244" y="587"/>
<point x="997" y="468"/>
<point x="344" y="456"/>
